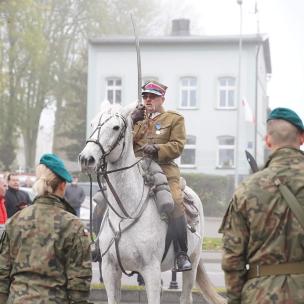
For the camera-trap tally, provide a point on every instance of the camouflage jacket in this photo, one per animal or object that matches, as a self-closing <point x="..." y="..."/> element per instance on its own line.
<point x="45" y="255"/>
<point x="259" y="227"/>
<point x="167" y="130"/>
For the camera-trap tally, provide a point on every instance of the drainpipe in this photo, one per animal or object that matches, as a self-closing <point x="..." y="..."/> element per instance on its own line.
<point x="256" y="101"/>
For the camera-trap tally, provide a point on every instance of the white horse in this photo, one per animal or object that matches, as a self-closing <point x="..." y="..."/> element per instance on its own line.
<point x="133" y="235"/>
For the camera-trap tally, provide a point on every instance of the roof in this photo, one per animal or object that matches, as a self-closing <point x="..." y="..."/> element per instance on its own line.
<point x="257" y="39"/>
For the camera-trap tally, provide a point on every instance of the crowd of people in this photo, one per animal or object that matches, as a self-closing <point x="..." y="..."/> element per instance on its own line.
<point x="45" y="252"/>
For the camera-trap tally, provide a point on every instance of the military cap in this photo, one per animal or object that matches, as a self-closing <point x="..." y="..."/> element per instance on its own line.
<point x="56" y="165"/>
<point x="288" y="115"/>
<point x="154" y="87"/>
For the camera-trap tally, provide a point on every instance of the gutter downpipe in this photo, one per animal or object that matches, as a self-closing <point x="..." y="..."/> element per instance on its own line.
<point x="256" y="101"/>
<point x="238" y="110"/>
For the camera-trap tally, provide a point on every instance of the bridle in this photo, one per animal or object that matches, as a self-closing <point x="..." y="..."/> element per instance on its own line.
<point x="102" y="161"/>
<point x="102" y="171"/>
<point x="102" y="167"/>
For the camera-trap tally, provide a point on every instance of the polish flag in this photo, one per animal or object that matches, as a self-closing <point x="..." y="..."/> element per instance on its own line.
<point x="248" y="112"/>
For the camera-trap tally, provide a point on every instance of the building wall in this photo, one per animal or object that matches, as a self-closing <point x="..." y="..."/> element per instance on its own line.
<point x="206" y="62"/>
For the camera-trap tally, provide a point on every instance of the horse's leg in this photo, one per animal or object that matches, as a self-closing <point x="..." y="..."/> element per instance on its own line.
<point x="152" y="277"/>
<point x="189" y="279"/>
<point x="112" y="280"/>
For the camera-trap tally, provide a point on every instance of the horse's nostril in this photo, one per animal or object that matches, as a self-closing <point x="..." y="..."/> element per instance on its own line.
<point x="91" y="160"/>
<point x="86" y="161"/>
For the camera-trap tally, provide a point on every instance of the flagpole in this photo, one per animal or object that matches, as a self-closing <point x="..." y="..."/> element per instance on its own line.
<point x="238" y="103"/>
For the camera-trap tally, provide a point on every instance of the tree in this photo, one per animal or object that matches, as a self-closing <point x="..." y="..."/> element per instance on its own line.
<point x="43" y="41"/>
<point x="100" y="18"/>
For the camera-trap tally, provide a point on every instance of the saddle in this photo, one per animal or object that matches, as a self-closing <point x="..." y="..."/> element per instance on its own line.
<point x="191" y="210"/>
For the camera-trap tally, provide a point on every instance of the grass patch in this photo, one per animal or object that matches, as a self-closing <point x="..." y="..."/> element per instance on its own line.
<point x="210" y="243"/>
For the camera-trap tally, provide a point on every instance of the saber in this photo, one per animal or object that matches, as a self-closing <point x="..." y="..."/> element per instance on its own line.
<point x="139" y="81"/>
<point x="252" y="162"/>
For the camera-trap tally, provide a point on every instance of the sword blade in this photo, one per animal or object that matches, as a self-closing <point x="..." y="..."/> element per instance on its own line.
<point x="139" y="78"/>
<point x="252" y="162"/>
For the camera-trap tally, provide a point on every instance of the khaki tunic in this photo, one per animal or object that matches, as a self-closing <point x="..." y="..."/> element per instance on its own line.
<point x="167" y="130"/>
<point x="45" y="256"/>
<point x="259" y="227"/>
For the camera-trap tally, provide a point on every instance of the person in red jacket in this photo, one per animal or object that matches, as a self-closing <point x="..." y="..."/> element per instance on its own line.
<point x="3" y="214"/>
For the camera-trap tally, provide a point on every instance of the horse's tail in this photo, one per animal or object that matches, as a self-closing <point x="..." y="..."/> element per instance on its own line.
<point x="206" y="285"/>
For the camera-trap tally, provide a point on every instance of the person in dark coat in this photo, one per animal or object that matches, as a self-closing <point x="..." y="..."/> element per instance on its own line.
<point x="75" y="195"/>
<point x="15" y="199"/>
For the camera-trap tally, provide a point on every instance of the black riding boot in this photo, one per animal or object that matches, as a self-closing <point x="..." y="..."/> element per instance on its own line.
<point x="180" y="245"/>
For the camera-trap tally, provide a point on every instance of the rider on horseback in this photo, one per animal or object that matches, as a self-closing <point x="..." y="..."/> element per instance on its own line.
<point x="161" y="135"/>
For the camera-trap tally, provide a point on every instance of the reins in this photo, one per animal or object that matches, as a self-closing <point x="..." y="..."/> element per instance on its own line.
<point x="103" y="172"/>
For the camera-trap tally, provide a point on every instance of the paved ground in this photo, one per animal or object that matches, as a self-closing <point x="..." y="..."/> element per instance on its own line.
<point x="212" y="265"/>
<point x="212" y="225"/>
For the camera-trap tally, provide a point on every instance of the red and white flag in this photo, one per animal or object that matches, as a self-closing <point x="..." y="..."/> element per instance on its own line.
<point x="248" y="112"/>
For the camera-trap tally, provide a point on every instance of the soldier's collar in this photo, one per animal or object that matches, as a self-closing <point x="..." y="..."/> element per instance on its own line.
<point x="282" y="153"/>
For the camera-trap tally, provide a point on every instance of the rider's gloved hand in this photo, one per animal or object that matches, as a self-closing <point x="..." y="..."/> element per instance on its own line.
<point x="138" y="114"/>
<point x="151" y="150"/>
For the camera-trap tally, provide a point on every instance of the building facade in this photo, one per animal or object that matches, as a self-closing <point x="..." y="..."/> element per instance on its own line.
<point x="202" y="75"/>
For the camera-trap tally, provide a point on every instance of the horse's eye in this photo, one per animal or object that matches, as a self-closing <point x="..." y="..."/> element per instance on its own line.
<point x="116" y="128"/>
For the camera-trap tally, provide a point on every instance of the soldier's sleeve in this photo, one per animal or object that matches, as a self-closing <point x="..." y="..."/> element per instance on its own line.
<point x="175" y="145"/>
<point x="5" y="267"/>
<point x="79" y="268"/>
<point x="235" y="240"/>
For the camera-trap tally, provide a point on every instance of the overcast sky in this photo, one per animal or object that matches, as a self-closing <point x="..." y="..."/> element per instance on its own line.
<point x="281" y="19"/>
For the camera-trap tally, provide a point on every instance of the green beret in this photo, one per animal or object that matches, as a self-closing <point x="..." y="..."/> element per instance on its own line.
<point x="288" y="115"/>
<point x="55" y="164"/>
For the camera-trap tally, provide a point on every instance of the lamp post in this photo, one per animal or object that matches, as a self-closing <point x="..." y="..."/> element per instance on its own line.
<point x="238" y="102"/>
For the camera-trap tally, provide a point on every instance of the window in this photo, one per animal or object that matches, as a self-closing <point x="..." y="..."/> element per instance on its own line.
<point x="187" y="158"/>
<point x="225" y="152"/>
<point x="113" y="90"/>
<point x="226" y="93"/>
<point x="188" y="89"/>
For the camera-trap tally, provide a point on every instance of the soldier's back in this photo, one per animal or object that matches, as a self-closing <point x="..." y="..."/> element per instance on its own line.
<point x="40" y="238"/>
<point x="276" y="236"/>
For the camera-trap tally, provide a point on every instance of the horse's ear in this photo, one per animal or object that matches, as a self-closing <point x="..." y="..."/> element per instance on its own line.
<point x="129" y="108"/>
<point x="104" y="106"/>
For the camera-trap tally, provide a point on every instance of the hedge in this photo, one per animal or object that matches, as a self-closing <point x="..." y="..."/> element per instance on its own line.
<point x="214" y="191"/>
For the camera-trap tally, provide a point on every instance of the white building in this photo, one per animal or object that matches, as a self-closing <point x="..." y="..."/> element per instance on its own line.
<point x="201" y="73"/>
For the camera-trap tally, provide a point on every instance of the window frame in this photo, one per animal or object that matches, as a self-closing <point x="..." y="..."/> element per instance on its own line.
<point x="114" y="88"/>
<point x="188" y="146"/>
<point x="221" y="147"/>
<point x="188" y="88"/>
<point x="226" y="88"/>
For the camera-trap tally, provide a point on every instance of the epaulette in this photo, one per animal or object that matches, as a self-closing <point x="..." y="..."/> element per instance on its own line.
<point x="174" y="112"/>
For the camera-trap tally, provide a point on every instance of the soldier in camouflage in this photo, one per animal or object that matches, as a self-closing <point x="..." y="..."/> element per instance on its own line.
<point x="45" y="251"/>
<point x="161" y="135"/>
<point x="263" y="242"/>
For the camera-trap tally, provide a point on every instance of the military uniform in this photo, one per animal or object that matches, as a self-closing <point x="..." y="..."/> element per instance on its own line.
<point x="167" y="130"/>
<point x="259" y="228"/>
<point x="45" y="255"/>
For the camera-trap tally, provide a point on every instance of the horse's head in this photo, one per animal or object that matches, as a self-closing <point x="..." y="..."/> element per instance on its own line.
<point x="108" y="139"/>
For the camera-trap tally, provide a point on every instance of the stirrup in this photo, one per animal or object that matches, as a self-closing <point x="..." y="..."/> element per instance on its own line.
<point x="187" y="263"/>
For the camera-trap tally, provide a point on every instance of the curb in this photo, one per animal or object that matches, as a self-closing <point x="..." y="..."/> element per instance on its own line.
<point x="132" y="296"/>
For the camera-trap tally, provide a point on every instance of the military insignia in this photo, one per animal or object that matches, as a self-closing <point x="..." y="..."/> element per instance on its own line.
<point x="157" y="127"/>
